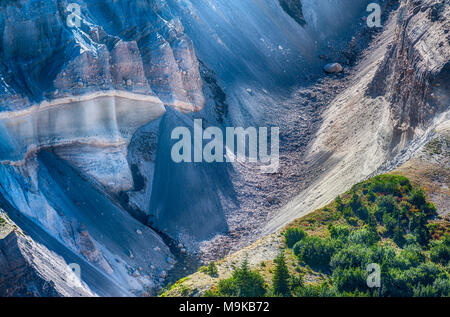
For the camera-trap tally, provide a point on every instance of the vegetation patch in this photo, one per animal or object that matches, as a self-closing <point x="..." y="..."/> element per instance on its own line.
<point x="211" y="270"/>
<point x="385" y="221"/>
<point x="177" y="288"/>
<point x="438" y="146"/>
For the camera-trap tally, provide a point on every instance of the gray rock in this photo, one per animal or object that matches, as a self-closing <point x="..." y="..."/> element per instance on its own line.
<point x="333" y="68"/>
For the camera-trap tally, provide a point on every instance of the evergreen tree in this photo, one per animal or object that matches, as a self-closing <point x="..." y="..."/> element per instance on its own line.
<point x="281" y="276"/>
<point x="339" y="204"/>
<point x="243" y="283"/>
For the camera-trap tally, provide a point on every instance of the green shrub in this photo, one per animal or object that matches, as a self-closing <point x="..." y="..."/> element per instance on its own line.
<point x="383" y="255"/>
<point x="350" y="280"/>
<point x="417" y="197"/>
<point x="415" y="281"/>
<point x="351" y="256"/>
<point x="410" y="256"/>
<point x="212" y="270"/>
<point x="406" y="269"/>
<point x="390" y="223"/>
<point x="339" y="204"/>
<point x="315" y="251"/>
<point x="321" y="290"/>
<point x="293" y="235"/>
<point x="353" y="221"/>
<point x="348" y="212"/>
<point x="410" y="239"/>
<point x="339" y="232"/>
<point x="243" y="283"/>
<point x="386" y="204"/>
<point x="440" y="252"/>
<point x="388" y="184"/>
<point x="425" y="274"/>
<point x="363" y="236"/>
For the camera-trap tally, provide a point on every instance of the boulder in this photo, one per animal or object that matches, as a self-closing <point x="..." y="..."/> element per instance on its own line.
<point x="333" y="68"/>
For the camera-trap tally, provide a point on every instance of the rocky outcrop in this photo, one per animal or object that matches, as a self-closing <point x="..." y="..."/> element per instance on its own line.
<point x="58" y="59"/>
<point x="294" y="9"/>
<point x="28" y="269"/>
<point x="415" y="73"/>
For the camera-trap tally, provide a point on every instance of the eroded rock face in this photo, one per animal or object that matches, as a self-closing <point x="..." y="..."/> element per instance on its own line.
<point x="294" y="9"/>
<point x="48" y="194"/>
<point x="415" y="74"/>
<point x="45" y="58"/>
<point x="31" y="270"/>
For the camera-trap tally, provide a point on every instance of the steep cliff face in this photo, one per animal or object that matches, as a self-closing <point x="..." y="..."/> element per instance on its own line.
<point x="29" y="269"/>
<point x="415" y="74"/>
<point x="51" y="50"/>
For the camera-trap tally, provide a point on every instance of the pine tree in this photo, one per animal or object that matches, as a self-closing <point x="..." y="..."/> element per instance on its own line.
<point x="339" y="204"/>
<point x="281" y="276"/>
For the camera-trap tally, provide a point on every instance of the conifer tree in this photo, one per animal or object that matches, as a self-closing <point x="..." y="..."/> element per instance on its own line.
<point x="281" y="276"/>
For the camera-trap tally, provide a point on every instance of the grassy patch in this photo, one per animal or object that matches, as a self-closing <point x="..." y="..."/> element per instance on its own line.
<point x="177" y="288"/>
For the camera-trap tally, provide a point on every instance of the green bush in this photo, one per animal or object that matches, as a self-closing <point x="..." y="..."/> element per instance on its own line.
<point x="293" y="235"/>
<point x="390" y="223"/>
<point x="243" y="283"/>
<point x="363" y="236"/>
<point x="389" y="184"/>
<point x="383" y="255"/>
<point x="212" y="270"/>
<point x="315" y="251"/>
<point x="414" y="281"/>
<point x="425" y="274"/>
<point x="440" y="251"/>
<point x="339" y="204"/>
<point x="387" y="201"/>
<point x="350" y="280"/>
<point x="339" y="232"/>
<point x="406" y="283"/>
<point x="348" y="212"/>
<point x="386" y="204"/>
<point x="440" y="288"/>
<point x="410" y="256"/>
<point x="351" y="257"/>
<point x="321" y="290"/>
<point x="417" y="197"/>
